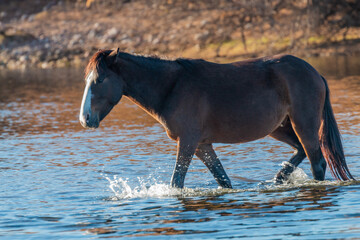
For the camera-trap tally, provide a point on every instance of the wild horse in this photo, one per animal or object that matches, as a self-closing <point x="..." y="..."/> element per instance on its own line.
<point x="200" y="103"/>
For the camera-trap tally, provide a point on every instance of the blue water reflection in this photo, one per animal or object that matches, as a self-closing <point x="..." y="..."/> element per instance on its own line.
<point x="59" y="180"/>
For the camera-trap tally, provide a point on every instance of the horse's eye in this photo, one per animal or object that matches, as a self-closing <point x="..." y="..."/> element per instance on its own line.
<point x="100" y="80"/>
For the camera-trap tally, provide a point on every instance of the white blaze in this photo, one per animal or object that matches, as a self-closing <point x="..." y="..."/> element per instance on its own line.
<point x="85" y="108"/>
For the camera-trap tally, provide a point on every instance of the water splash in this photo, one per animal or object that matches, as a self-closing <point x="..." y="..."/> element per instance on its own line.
<point x="144" y="188"/>
<point x="150" y="187"/>
<point x="153" y="188"/>
<point x="296" y="179"/>
<point x="298" y="176"/>
<point x="299" y="179"/>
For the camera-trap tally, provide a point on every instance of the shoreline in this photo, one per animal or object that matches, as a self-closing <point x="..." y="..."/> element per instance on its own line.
<point x="64" y="34"/>
<point x="79" y="58"/>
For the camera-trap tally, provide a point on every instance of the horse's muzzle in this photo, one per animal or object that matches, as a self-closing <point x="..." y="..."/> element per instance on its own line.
<point x="89" y="122"/>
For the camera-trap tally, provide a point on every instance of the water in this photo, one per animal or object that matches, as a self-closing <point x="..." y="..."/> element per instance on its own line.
<point x="59" y="180"/>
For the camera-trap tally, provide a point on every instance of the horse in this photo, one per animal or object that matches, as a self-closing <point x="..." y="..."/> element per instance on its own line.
<point x="200" y="103"/>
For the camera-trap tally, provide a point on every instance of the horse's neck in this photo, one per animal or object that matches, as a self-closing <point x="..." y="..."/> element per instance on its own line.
<point x="148" y="85"/>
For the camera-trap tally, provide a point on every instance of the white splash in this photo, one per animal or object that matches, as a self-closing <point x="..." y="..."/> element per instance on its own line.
<point x="298" y="179"/>
<point x="152" y="188"/>
<point x="143" y="189"/>
<point x="298" y="176"/>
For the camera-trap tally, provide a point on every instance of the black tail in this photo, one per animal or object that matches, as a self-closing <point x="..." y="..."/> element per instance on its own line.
<point x="330" y="142"/>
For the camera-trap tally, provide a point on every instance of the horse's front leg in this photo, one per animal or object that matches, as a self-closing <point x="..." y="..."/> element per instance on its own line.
<point x="185" y="152"/>
<point x="207" y="155"/>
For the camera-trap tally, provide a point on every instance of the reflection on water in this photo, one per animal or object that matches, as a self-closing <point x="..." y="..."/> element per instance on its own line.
<point x="336" y="66"/>
<point x="62" y="181"/>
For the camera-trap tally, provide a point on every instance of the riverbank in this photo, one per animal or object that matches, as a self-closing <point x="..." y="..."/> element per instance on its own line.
<point x="67" y="33"/>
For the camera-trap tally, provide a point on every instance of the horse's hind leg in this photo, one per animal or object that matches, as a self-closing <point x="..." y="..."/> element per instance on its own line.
<point x="307" y="129"/>
<point x="207" y="155"/>
<point x="287" y="135"/>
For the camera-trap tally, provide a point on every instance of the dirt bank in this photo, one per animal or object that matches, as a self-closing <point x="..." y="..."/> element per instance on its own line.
<point x="65" y="33"/>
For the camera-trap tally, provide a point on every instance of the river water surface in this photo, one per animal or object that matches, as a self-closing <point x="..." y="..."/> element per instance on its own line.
<point x="59" y="180"/>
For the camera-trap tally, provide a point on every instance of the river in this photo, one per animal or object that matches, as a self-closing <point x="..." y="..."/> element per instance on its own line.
<point x="60" y="181"/>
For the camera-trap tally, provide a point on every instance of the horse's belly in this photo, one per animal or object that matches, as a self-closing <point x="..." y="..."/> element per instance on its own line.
<point x="246" y="124"/>
<point x="237" y="135"/>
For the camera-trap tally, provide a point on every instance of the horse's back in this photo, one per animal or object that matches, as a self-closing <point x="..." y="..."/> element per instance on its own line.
<point x="242" y="101"/>
<point x="231" y="102"/>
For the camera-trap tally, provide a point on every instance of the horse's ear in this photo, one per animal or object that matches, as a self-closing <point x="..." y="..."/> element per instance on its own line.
<point x="112" y="57"/>
<point x="117" y="56"/>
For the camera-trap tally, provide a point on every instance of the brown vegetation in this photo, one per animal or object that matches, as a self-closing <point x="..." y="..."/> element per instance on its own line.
<point x="60" y="33"/>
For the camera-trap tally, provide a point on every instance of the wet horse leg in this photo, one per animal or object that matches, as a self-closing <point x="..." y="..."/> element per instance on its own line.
<point x="207" y="155"/>
<point x="307" y="129"/>
<point x="287" y="135"/>
<point x="185" y="153"/>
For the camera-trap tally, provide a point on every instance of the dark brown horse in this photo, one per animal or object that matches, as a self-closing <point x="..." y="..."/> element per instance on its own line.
<point x="200" y="103"/>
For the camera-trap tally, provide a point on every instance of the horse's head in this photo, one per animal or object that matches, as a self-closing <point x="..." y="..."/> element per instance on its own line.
<point x="103" y="90"/>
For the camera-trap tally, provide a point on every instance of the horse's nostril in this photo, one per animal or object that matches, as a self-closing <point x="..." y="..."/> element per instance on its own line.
<point x="87" y="117"/>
